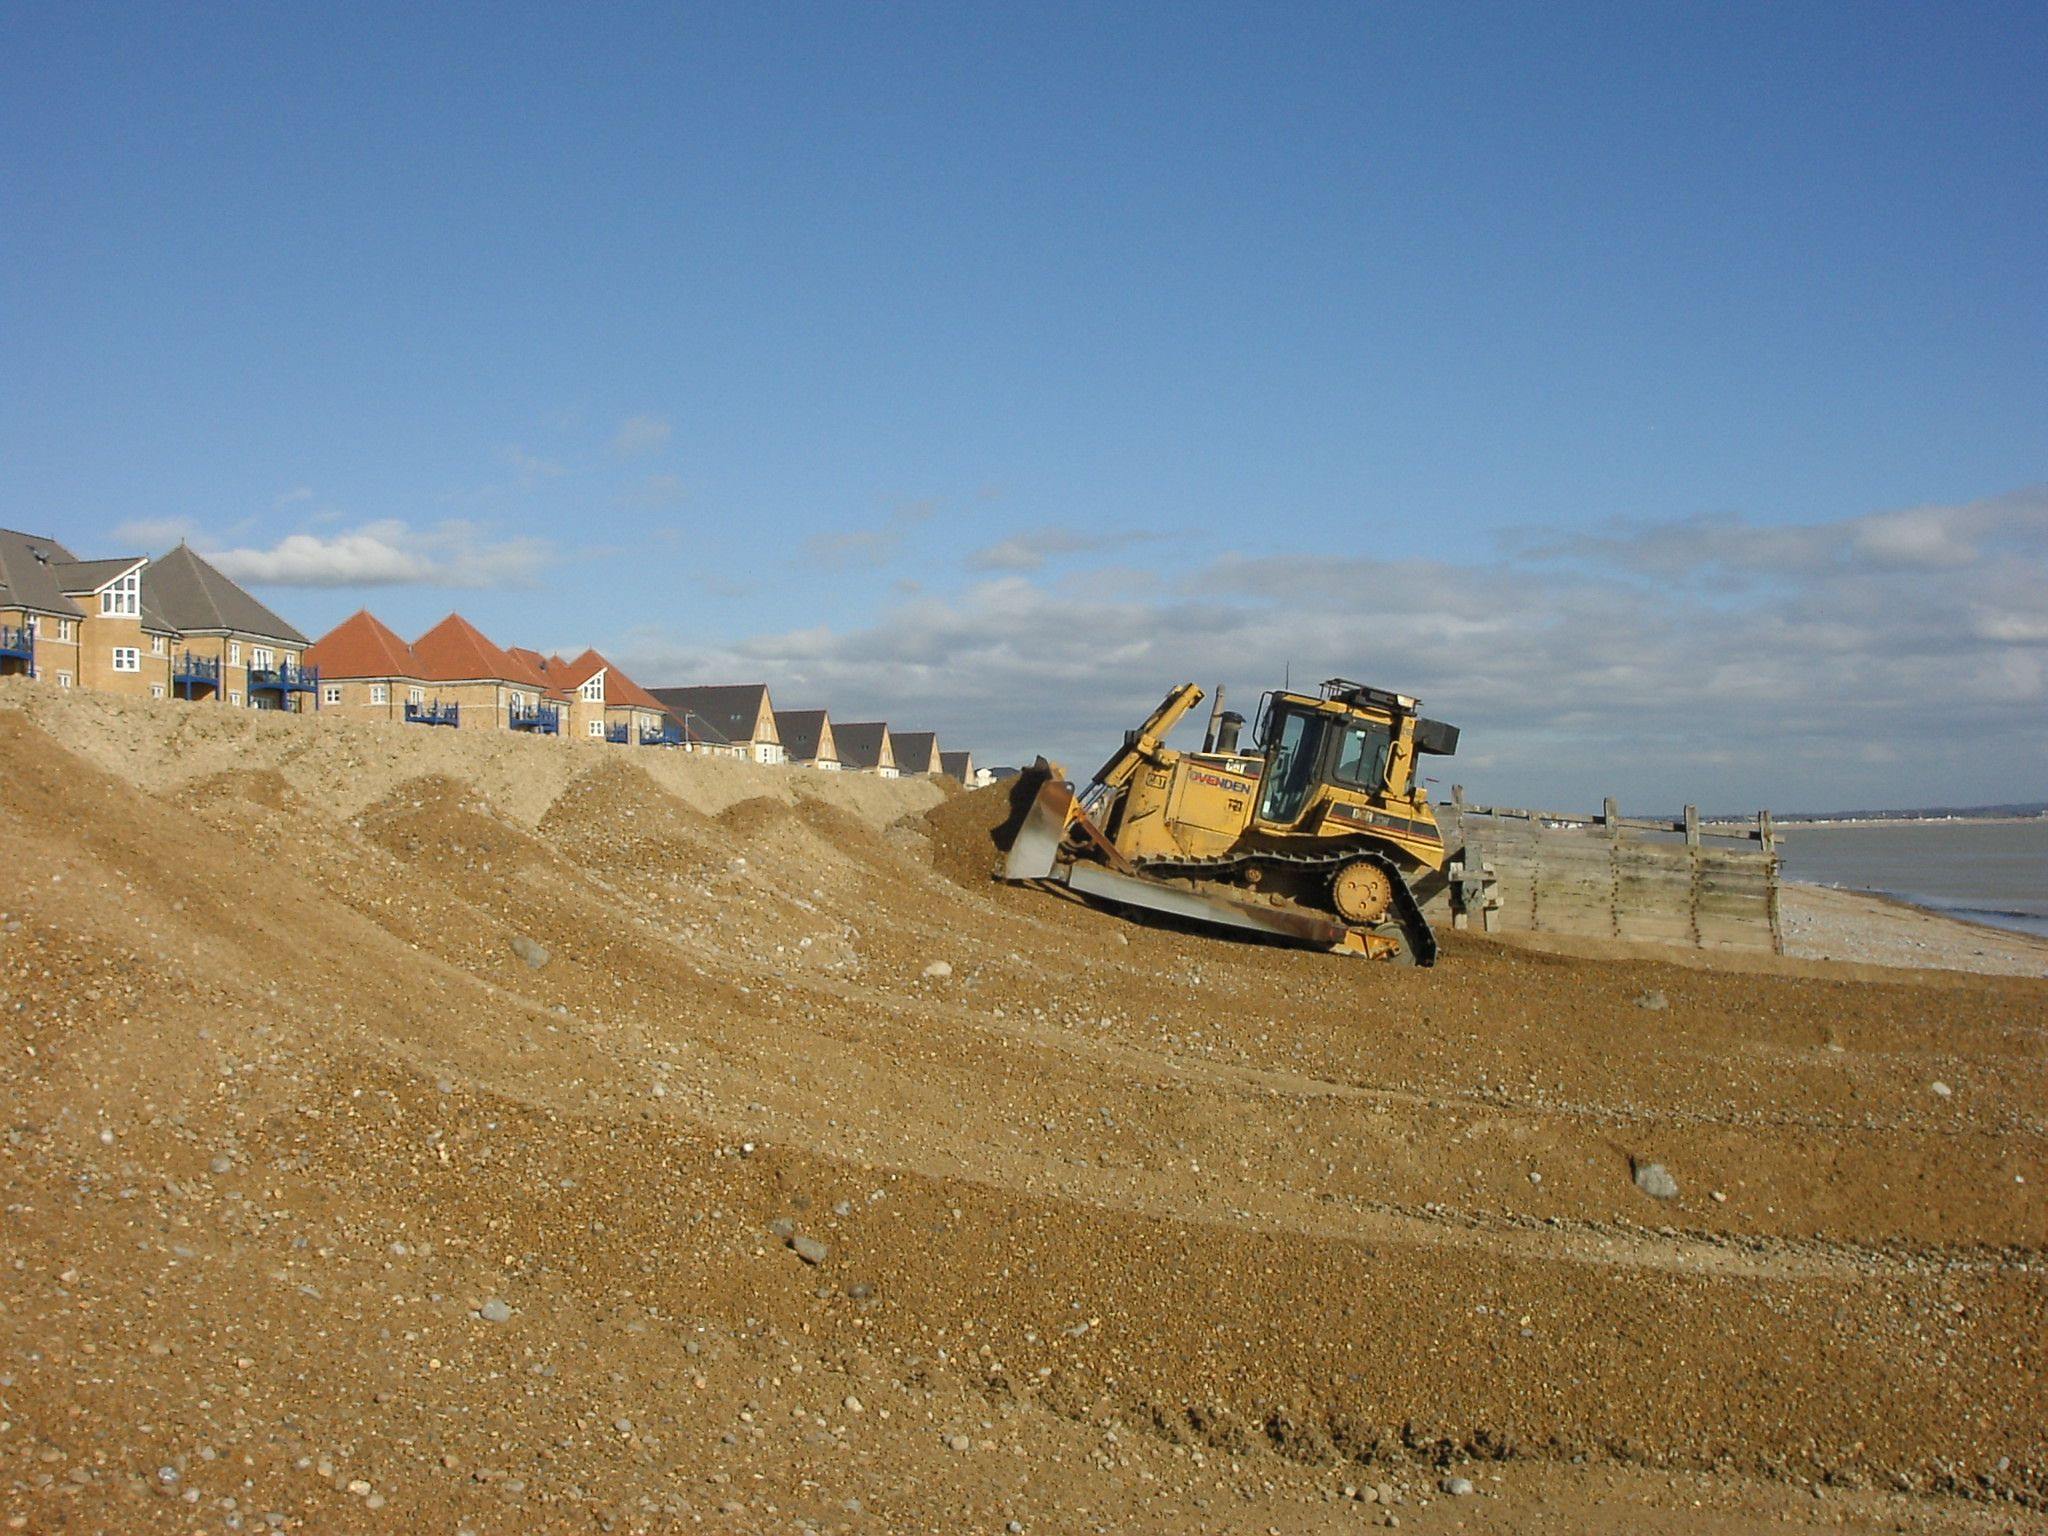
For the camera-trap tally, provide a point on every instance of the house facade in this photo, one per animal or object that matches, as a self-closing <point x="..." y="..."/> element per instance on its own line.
<point x="807" y="738"/>
<point x="958" y="766"/>
<point x="491" y="689"/>
<point x="740" y="712"/>
<point x="368" y="673"/>
<point x="170" y="628"/>
<point x="864" y="748"/>
<point x="224" y="644"/>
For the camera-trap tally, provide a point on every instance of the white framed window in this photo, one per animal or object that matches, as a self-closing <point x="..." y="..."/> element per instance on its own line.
<point x="330" y="693"/>
<point x="415" y="695"/>
<point x="597" y="727"/>
<point x="127" y="659"/>
<point x="156" y="690"/>
<point x="380" y="693"/>
<point x="64" y="630"/>
<point x="63" y="679"/>
<point x="234" y="653"/>
<point x="593" y="691"/>
<point x="262" y="658"/>
<point x="156" y="645"/>
<point x="122" y="599"/>
<point x="235" y="699"/>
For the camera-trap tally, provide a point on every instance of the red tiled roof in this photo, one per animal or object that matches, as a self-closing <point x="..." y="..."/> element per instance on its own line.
<point x="455" y="650"/>
<point x="361" y="646"/>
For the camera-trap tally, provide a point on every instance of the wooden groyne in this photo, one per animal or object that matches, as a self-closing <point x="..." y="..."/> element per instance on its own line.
<point x="1705" y="885"/>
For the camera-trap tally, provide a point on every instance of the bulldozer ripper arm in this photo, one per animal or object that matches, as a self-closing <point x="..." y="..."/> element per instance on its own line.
<point x="1147" y="739"/>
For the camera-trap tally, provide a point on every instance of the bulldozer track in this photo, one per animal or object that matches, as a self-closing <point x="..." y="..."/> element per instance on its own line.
<point x="1407" y="910"/>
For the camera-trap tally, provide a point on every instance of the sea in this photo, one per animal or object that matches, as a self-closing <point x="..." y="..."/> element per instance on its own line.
<point x="1993" y="872"/>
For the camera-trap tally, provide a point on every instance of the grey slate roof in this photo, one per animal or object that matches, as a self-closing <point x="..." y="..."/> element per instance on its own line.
<point x="957" y="765"/>
<point x="195" y="599"/>
<point x="91" y="575"/>
<point x="802" y="731"/>
<point x="916" y="751"/>
<point x="864" y="744"/>
<point x="695" y="727"/>
<point x="732" y="709"/>
<point x="32" y="574"/>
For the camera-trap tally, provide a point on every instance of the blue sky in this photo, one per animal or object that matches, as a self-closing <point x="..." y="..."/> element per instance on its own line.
<point x="1662" y="391"/>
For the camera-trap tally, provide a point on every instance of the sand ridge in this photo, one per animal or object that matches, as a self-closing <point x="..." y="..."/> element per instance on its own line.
<point x="1161" y="1231"/>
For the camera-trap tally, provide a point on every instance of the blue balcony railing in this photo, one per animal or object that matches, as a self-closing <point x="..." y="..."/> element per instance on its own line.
<point x="620" y="734"/>
<point x="190" y="674"/>
<point x="284" y="679"/>
<point x="18" y="648"/>
<point x="435" y="713"/>
<point x="546" y="719"/>
<point x="667" y="734"/>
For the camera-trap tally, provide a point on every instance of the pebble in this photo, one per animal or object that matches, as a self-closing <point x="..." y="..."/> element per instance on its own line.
<point x="938" y="970"/>
<point x="532" y="951"/>
<point x="959" y="1443"/>
<point x="1655" y="1180"/>
<point x="1458" y="1487"/>
<point x="809" y="1249"/>
<point x="495" y="1311"/>
<point x="782" y="1227"/>
<point x="1940" y="1090"/>
<point x="1655" y="1002"/>
<point x="854" y="1404"/>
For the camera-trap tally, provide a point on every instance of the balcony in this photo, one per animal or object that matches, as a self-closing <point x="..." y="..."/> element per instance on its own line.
<point x="193" y="676"/>
<point x="541" y="719"/>
<point x="620" y="734"/>
<point x="18" y="649"/>
<point x="435" y="713"/>
<point x="283" y="680"/>
<point x="667" y="734"/>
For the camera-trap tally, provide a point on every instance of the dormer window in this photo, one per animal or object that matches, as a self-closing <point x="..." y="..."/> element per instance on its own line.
<point x="122" y="599"/>
<point x="593" y="691"/>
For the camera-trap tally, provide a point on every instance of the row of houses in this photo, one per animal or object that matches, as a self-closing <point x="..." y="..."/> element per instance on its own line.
<point x="175" y="627"/>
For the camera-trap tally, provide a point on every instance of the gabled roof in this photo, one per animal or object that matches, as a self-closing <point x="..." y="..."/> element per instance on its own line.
<point x="195" y="599"/>
<point x="455" y="650"/>
<point x="864" y="744"/>
<point x="957" y="765"/>
<point x="82" y="576"/>
<point x="733" y="709"/>
<point x="916" y="751"/>
<point x="362" y="646"/>
<point x="807" y="735"/>
<point x="30" y="574"/>
<point x="619" y="689"/>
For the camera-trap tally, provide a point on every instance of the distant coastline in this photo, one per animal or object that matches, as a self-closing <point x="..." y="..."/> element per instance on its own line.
<point x="1823" y="824"/>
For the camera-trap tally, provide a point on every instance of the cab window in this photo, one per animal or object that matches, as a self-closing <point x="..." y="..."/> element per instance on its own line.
<point x="1362" y="756"/>
<point x="1290" y="767"/>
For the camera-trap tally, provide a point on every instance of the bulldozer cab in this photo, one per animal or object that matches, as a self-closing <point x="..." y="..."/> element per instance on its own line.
<point x="1349" y="743"/>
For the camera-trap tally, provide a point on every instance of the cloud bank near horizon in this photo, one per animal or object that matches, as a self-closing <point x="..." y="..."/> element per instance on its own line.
<point x="1893" y="657"/>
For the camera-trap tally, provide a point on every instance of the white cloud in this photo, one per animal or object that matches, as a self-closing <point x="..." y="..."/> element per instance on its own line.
<point x="641" y="434"/>
<point x="1031" y="549"/>
<point x="153" y="535"/>
<point x="531" y="469"/>
<point x="390" y="553"/>
<point x="858" y="549"/>
<point x="1707" y="661"/>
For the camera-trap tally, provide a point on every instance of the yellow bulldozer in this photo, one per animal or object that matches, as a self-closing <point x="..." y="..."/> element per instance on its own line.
<point x="1316" y="834"/>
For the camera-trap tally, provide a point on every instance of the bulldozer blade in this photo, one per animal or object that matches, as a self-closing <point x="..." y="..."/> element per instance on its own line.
<point x="1137" y="891"/>
<point x="1035" y="848"/>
